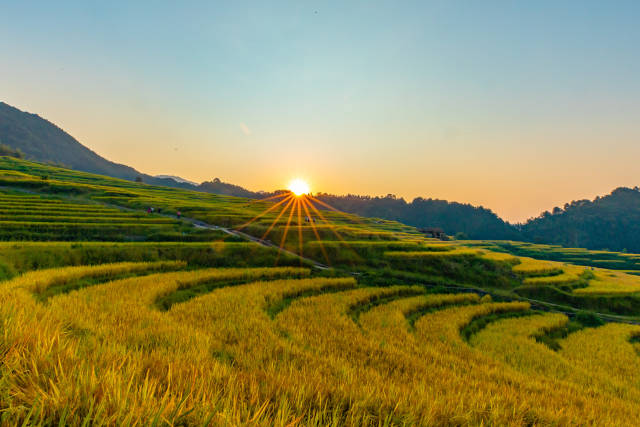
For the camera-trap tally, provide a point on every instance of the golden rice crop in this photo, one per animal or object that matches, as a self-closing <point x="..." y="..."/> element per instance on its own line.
<point x="123" y="384"/>
<point x="606" y="352"/>
<point x="499" y="256"/>
<point x="570" y="275"/>
<point x="388" y="323"/>
<point x="432" y="254"/>
<point x="512" y="341"/>
<point x="611" y="282"/>
<point x="534" y="267"/>
<point x="106" y="355"/>
<point x="39" y="280"/>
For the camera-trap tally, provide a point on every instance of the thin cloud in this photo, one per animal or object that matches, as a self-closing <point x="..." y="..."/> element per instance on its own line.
<point x="245" y="129"/>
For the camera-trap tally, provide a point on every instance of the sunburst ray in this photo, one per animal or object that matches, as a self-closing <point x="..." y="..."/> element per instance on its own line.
<point x="298" y="202"/>
<point x="315" y="231"/>
<point x="263" y="213"/>
<point x="294" y="203"/>
<point x="284" y="235"/>
<point x="275" y="221"/>
<point x="323" y="218"/>
<point x="331" y="227"/>
<point x="277" y="196"/>
<point x="328" y="206"/>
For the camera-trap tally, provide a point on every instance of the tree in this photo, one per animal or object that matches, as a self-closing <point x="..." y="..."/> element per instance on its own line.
<point x="139" y="178"/>
<point x="5" y="150"/>
<point x="611" y="221"/>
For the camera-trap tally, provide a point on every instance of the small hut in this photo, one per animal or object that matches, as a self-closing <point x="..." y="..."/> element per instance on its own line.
<point x="435" y="233"/>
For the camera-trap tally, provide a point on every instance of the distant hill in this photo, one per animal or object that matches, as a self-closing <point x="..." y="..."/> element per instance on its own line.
<point x="609" y="222"/>
<point x="42" y="141"/>
<point x="475" y="222"/>
<point x="177" y="179"/>
<point x="216" y="186"/>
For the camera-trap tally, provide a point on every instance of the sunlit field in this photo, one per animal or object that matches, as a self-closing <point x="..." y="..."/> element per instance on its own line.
<point x="285" y="312"/>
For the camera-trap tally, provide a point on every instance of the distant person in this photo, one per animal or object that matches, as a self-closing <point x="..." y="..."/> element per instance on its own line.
<point x="178" y="214"/>
<point x="149" y="210"/>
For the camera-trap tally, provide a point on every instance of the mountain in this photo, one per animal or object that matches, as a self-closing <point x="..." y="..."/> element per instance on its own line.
<point x="473" y="221"/>
<point x="177" y="179"/>
<point x="610" y="222"/>
<point x="40" y="140"/>
<point x="216" y="186"/>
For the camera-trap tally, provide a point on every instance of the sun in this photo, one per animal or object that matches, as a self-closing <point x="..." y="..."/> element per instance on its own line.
<point x="299" y="187"/>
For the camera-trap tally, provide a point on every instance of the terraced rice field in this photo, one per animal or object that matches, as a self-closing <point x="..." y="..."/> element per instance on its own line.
<point x="611" y="282"/>
<point x="96" y="197"/>
<point x="600" y="361"/>
<point x="578" y="256"/>
<point x="34" y="217"/>
<point x="279" y="346"/>
<point x="199" y="328"/>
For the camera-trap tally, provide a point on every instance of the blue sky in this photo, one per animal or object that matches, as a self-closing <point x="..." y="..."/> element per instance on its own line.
<point x="517" y="106"/>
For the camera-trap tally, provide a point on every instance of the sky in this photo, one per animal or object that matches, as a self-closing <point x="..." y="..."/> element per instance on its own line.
<point x="517" y="106"/>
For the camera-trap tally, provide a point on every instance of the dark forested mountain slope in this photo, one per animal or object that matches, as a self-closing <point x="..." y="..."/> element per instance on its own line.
<point x="609" y="222"/>
<point x="475" y="222"/>
<point x="216" y="186"/>
<point x="42" y="141"/>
